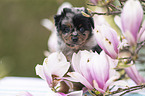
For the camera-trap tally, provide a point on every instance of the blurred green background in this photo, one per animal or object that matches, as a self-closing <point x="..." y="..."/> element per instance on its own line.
<point x="23" y="39"/>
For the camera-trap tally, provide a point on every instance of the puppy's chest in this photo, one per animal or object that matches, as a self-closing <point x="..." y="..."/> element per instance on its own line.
<point x="68" y="52"/>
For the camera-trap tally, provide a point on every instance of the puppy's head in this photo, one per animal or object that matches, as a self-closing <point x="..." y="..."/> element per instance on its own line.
<point x="74" y="28"/>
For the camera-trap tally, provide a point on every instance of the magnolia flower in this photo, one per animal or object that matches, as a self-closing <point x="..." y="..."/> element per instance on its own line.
<point x="93" y="70"/>
<point x="52" y="41"/>
<point x="54" y="66"/>
<point x="107" y="39"/>
<point x="131" y="18"/>
<point x="134" y="75"/>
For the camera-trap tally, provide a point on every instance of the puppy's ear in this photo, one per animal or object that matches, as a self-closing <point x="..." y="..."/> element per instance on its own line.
<point x="90" y="18"/>
<point x="57" y="19"/>
<point x="91" y="21"/>
<point x="66" y="10"/>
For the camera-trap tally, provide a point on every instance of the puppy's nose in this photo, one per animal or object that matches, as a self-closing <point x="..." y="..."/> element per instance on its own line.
<point x="74" y="39"/>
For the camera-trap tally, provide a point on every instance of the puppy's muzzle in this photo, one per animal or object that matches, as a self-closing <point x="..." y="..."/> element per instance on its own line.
<point x="74" y="39"/>
<point x="74" y="36"/>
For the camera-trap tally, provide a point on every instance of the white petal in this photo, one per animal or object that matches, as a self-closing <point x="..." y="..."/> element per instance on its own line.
<point x="61" y="69"/>
<point x="76" y="93"/>
<point x="39" y="71"/>
<point x="52" y="42"/>
<point x="76" y="62"/>
<point x="81" y="79"/>
<point x="56" y="64"/>
<point x="48" y="24"/>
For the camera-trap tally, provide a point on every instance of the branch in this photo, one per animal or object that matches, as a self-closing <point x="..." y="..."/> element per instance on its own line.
<point x="133" y="89"/>
<point x="140" y="45"/>
<point x="127" y="90"/>
<point x="107" y="13"/>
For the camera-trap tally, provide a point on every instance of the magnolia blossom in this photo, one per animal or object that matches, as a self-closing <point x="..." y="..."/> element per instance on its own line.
<point x="55" y="65"/>
<point x="93" y="70"/>
<point x="131" y="18"/>
<point x="107" y="39"/>
<point x="134" y="75"/>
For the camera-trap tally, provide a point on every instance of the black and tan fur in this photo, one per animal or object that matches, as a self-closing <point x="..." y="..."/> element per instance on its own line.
<point x="75" y="31"/>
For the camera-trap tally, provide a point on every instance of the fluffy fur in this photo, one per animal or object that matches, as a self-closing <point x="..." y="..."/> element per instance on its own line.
<point x="75" y="31"/>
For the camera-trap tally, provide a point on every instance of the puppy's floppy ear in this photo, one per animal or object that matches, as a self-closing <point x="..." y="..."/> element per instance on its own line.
<point x="90" y="18"/>
<point x="66" y="10"/>
<point x="91" y="21"/>
<point x="57" y="19"/>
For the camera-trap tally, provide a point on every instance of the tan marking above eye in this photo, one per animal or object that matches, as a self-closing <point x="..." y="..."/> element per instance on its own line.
<point x="80" y="25"/>
<point x="69" y="25"/>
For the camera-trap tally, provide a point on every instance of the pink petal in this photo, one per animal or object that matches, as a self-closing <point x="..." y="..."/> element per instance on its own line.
<point x="107" y="39"/>
<point x="134" y="75"/>
<point x="97" y="87"/>
<point x="100" y="69"/>
<point x="109" y="82"/>
<point x="131" y="19"/>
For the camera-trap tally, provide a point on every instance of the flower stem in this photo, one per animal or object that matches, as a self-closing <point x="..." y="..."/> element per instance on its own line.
<point x="127" y="90"/>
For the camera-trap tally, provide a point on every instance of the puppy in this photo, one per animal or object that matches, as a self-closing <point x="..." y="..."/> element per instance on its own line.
<point x="75" y="32"/>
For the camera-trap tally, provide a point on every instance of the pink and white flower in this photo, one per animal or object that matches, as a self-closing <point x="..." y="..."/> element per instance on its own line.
<point x="93" y="70"/>
<point x="131" y="19"/>
<point x="134" y="75"/>
<point x="107" y="39"/>
<point x="55" y="65"/>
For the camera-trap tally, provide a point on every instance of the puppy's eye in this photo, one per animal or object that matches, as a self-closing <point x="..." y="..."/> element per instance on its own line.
<point x="81" y="29"/>
<point x="66" y="29"/>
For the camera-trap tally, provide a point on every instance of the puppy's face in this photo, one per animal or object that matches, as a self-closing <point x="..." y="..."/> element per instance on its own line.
<point x="74" y="28"/>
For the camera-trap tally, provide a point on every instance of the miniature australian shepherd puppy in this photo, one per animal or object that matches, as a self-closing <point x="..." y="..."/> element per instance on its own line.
<point x="75" y="32"/>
